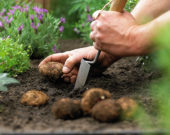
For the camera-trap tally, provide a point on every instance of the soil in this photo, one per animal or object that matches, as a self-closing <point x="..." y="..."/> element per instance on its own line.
<point x="124" y="78"/>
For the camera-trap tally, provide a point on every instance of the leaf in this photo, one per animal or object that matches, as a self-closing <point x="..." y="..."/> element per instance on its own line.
<point x="4" y="80"/>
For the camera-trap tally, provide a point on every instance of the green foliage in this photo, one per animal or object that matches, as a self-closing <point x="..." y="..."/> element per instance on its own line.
<point x="85" y="9"/>
<point x="60" y="8"/>
<point x="5" y="80"/>
<point x="41" y="32"/>
<point x="130" y="5"/>
<point x="6" y="4"/>
<point x="13" y="59"/>
<point x="160" y="90"/>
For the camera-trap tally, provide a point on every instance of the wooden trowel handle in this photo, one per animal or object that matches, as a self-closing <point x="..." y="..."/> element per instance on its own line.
<point x="118" y="5"/>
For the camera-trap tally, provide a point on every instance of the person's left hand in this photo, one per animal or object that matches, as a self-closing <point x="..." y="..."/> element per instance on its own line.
<point x="115" y="33"/>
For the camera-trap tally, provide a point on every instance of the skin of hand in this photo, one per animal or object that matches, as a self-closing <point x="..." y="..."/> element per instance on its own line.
<point x="71" y="61"/>
<point x="118" y="34"/>
<point x="147" y="10"/>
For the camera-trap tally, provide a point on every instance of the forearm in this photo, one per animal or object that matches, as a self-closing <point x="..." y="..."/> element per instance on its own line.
<point x="147" y="10"/>
<point x="144" y="34"/>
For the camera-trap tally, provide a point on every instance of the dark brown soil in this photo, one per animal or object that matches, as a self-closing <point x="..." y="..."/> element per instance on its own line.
<point x="123" y="78"/>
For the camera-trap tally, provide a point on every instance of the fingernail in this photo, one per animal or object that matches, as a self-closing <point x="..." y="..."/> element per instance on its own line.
<point x="66" y="69"/>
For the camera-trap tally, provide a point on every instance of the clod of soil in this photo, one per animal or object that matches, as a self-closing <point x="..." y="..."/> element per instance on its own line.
<point x="93" y="96"/>
<point x="106" y="111"/>
<point x="128" y="106"/>
<point x="67" y="108"/>
<point x="52" y="70"/>
<point x="34" y="98"/>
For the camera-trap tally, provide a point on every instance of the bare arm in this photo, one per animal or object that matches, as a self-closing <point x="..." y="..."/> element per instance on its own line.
<point x="147" y="10"/>
<point x="122" y="36"/>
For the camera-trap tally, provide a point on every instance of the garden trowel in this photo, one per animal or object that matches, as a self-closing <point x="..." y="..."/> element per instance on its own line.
<point x="117" y="5"/>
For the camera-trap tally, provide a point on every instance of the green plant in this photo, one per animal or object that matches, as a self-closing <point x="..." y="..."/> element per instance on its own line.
<point x="60" y="8"/>
<point x="130" y="5"/>
<point x="6" y="4"/>
<point x="85" y="9"/>
<point x="31" y="25"/>
<point x="13" y="59"/>
<point x="160" y="90"/>
<point x="5" y="80"/>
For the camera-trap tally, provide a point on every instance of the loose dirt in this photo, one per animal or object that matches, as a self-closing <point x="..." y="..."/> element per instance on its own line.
<point x="123" y="78"/>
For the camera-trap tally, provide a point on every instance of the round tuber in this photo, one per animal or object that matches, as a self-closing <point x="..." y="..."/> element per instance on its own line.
<point x="52" y="70"/>
<point x="34" y="98"/>
<point x="106" y="111"/>
<point x="67" y="108"/>
<point x="93" y="96"/>
<point x="128" y="106"/>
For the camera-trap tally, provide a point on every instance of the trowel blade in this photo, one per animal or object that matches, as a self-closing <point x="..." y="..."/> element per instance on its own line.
<point x="82" y="74"/>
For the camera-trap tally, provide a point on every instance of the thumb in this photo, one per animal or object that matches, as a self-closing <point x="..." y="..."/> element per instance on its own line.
<point x="70" y="63"/>
<point x="96" y="14"/>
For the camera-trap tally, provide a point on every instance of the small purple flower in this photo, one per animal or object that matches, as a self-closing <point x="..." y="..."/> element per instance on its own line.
<point x="35" y="27"/>
<point x="62" y="20"/>
<point x="1" y="25"/>
<point x="6" y="18"/>
<point x="26" y="8"/>
<point x="61" y="28"/>
<point x="32" y="18"/>
<point x="87" y="9"/>
<point x="38" y="10"/>
<point x="35" y="8"/>
<point x="3" y="12"/>
<point x="20" y="28"/>
<point x="45" y="11"/>
<point x="8" y="13"/>
<point x="11" y="11"/>
<point x="21" y="9"/>
<point x="40" y="17"/>
<point x="16" y="7"/>
<point x="76" y="30"/>
<point x="90" y="19"/>
<point x="10" y="20"/>
<point x="54" y="48"/>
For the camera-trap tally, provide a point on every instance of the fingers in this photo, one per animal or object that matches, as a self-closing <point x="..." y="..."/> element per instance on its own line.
<point x="71" y="62"/>
<point x="71" y="77"/>
<point x="60" y="57"/>
<point x="96" y="14"/>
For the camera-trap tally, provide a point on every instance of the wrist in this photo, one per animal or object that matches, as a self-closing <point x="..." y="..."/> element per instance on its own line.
<point x="141" y="39"/>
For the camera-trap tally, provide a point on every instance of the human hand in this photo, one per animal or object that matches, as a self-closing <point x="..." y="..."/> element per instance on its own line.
<point x="72" y="59"/>
<point x="117" y="34"/>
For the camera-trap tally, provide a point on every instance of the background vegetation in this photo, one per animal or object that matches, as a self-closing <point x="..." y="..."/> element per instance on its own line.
<point x="32" y="26"/>
<point x="13" y="58"/>
<point x="78" y="13"/>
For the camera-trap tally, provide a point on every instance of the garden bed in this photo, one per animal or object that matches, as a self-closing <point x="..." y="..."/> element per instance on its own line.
<point x="124" y="78"/>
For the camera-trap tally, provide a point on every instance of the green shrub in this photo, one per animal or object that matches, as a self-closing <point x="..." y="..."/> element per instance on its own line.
<point x="85" y="9"/>
<point x="5" y="80"/>
<point x="13" y="59"/>
<point x="161" y="89"/>
<point x="32" y="26"/>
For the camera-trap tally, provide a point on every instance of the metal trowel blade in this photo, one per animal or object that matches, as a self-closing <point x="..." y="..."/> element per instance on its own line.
<point x="82" y="74"/>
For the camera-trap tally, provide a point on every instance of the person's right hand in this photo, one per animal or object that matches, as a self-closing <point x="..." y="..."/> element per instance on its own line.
<point x="72" y="59"/>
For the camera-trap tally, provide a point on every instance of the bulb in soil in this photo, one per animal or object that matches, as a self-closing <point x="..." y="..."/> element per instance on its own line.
<point x="106" y="111"/>
<point x="67" y="108"/>
<point x="128" y="106"/>
<point x="34" y="98"/>
<point x="52" y="70"/>
<point x="93" y="96"/>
